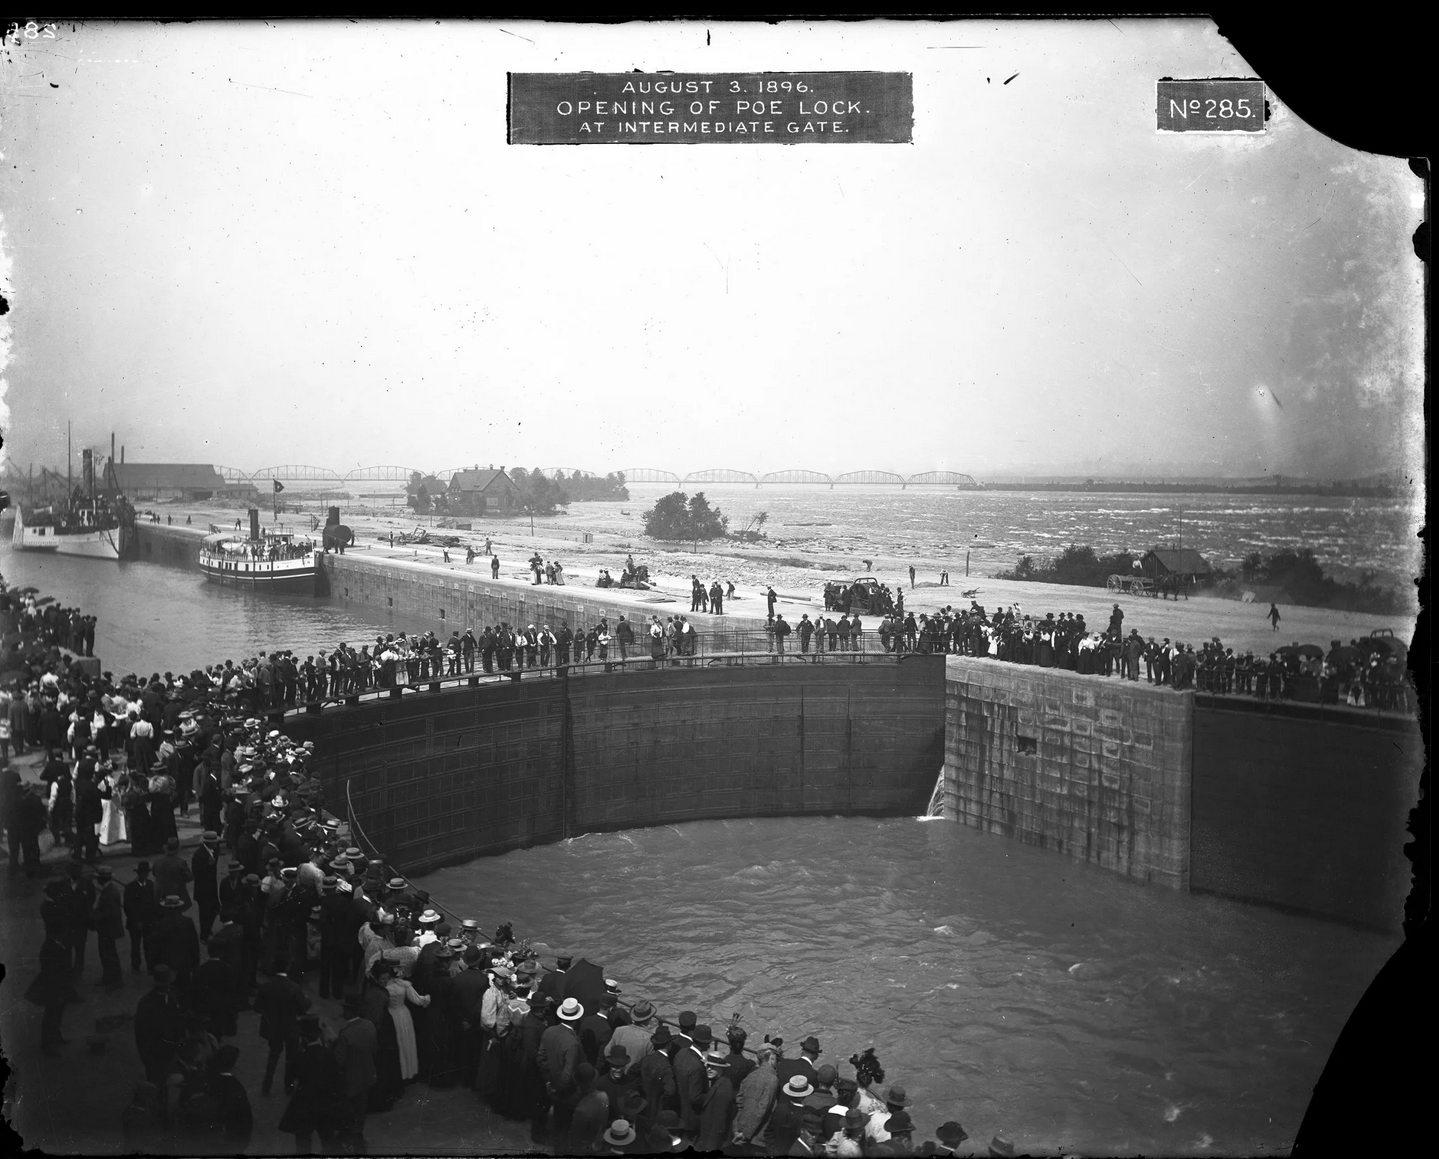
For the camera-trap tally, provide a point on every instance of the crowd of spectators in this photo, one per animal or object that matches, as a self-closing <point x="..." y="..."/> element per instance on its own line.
<point x="1368" y="672"/>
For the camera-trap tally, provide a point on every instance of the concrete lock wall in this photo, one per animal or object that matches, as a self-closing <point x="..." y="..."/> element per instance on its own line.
<point x="439" y="778"/>
<point x="1096" y="769"/>
<point x="164" y="543"/>
<point x="459" y="600"/>
<point x="1305" y="809"/>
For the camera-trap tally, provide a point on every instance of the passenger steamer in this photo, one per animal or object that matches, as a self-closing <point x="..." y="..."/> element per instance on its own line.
<point x="266" y="561"/>
<point x="90" y="529"/>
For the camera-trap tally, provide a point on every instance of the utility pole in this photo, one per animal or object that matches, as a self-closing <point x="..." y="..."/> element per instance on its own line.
<point x="68" y="424"/>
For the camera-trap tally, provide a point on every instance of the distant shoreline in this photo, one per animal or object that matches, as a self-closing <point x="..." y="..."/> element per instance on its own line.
<point x="1329" y="490"/>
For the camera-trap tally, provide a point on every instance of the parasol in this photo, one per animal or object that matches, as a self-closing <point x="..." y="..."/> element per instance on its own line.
<point x="1313" y="651"/>
<point x="585" y="982"/>
<point x="1345" y="654"/>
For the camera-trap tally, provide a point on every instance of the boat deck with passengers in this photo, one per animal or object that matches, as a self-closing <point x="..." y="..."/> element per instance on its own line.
<point x="265" y="560"/>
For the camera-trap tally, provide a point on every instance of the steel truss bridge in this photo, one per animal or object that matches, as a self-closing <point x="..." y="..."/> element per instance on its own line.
<point x="305" y="473"/>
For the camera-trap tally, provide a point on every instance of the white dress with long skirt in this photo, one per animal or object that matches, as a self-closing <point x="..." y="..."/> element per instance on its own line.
<point x="401" y="992"/>
<point x="112" y="816"/>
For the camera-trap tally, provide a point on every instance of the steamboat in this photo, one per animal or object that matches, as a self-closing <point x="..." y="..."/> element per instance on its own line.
<point x="265" y="560"/>
<point x="86" y="522"/>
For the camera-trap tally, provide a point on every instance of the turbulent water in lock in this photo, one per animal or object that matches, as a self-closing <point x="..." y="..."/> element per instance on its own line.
<point x="1004" y="986"/>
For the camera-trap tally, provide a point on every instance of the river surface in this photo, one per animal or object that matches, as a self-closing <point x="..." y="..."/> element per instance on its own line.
<point x="1014" y="990"/>
<point x="1003" y="986"/>
<point x="1347" y="536"/>
<point x="154" y="618"/>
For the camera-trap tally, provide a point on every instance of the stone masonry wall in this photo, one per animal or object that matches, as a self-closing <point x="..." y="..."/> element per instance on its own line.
<point x="1096" y="769"/>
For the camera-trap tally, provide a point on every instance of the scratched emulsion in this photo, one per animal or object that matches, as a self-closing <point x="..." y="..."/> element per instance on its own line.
<point x="1015" y="991"/>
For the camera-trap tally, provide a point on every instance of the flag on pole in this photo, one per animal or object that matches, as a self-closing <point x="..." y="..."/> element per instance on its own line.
<point x="278" y="486"/>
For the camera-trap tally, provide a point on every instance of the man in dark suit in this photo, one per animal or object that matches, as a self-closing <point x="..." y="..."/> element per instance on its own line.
<point x="108" y="919"/>
<point x="79" y="903"/>
<point x="690" y="1080"/>
<point x="173" y="941"/>
<point x="806" y="1064"/>
<point x="172" y="875"/>
<point x="336" y="937"/>
<point x="89" y="809"/>
<point x="467" y="995"/>
<point x="657" y="1076"/>
<point x="213" y="993"/>
<point x="207" y="886"/>
<point x="552" y="985"/>
<point x="159" y="1026"/>
<point x="356" y="1049"/>
<point x="142" y="908"/>
<point x="228" y="890"/>
<point x="280" y="1002"/>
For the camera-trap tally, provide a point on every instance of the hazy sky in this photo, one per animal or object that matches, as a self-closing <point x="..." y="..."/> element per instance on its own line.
<point x="253" y="244"/>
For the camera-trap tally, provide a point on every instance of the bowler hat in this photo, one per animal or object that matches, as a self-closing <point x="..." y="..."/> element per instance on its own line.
<point x="617" y="1055"/>
<point x="701" y="1036"/>
<point x="810" y="1044"/>
<point x="898" y="1122"/>
<point x="687" y="1021"/>
<point x="104" y="873"/>
<point x="951" y="1134"/>
<point x="896" y="1097"/>
<point x="662" y="1036"/>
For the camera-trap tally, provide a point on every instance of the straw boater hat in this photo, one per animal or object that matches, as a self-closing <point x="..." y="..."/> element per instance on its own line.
<point x="570" y="1010"/>
<point x="429" y="917"/>
<point x="620" y="1133"/>
<point x="798" y="1087"/>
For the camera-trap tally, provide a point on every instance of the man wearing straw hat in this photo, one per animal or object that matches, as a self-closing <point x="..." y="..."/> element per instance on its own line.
<point x="719" y="1108"/>
<point x="559" y="1056"/>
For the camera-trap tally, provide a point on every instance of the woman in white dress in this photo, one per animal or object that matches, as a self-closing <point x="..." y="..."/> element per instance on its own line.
<point x="112" y="813"/>
<point x="401" y="992"/>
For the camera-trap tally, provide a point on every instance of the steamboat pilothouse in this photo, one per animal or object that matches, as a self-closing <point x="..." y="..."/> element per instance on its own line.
<point x="267" y="561"/>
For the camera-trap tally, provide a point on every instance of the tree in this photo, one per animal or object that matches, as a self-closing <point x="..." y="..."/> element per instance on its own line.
<point x="423" y="491"/>
<point x="539" y="495"/>
<point x="678" y="517"/>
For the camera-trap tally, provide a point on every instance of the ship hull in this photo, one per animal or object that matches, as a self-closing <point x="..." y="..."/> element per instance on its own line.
<point x="291" y="577"/>
<point x="102" y="544"/>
